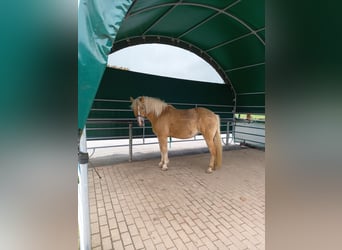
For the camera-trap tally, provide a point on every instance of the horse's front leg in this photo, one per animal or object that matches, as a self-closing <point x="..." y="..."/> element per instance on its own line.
<point x="163" y="152"/>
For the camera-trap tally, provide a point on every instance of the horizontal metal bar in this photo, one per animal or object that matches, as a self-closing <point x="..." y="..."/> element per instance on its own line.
<point x="249" y="124"/>
<point x="106" y="138"/>
<point x="112" y="119"/>
<point x="249" y="140"/>
<point x="104" y="109"/>
<point x="116" y="128"/>
<point x="248" y="127"/>
<point x="246" y="106"/>
<point x="223" y="112"/>
<point x="251" y="93"/>
<point x="246" y="133"/>
<point x="104" y="121"/>
<point x="118" y="137"/>
<point x="94" y="129"/>
<point x="244" y="122"/>
<point x="111" y="100"/>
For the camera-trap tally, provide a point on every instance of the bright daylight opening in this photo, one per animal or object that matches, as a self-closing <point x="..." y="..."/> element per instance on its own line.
<point x="164" y="60"/>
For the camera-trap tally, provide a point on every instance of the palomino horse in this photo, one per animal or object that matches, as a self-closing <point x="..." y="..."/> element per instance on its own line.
<point x="168" y="121"/>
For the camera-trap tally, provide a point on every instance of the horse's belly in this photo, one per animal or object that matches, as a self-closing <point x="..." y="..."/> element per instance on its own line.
<point x="184" y="133"/>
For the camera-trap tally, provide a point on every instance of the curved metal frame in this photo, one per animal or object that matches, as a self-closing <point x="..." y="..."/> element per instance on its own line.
<point x="219" y="11"/>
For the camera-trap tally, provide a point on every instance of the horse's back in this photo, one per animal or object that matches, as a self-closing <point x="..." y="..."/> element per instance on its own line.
<point x="184" y="114"/>
<point x="205" y="114"/>
<point x="205" y="111"/>
<point x="194" y="115"/>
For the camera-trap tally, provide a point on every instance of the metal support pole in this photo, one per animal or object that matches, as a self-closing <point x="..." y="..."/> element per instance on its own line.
<point x="144" y="133"/>
<point x="83" y="204"/>
<point x="227" y="136"/>
<point x="130" y="147"/>
<point x="233" y="130"/>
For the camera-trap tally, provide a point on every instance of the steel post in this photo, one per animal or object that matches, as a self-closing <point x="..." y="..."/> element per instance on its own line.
<point x="130" y="147"/>
<point x="227" y="136"/>
<point x="83" y="204"/>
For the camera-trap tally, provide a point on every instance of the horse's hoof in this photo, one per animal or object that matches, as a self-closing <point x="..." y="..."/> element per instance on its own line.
<point x="164" y="168"/>
<point x="160" y="164"/>
<point x="209" y="171"/>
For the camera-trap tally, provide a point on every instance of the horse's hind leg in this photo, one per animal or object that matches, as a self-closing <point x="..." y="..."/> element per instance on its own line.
<point x="212" y="150"/>
<point x="163" y="151"/>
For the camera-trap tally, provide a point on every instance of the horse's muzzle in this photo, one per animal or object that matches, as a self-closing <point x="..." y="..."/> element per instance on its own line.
<point x="140" y="120"/>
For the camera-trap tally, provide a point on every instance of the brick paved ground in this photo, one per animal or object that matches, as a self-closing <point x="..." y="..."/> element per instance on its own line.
<point x="138" y="206"/>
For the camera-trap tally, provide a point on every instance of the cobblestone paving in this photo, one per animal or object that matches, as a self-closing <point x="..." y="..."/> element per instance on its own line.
<point x="138" y="206"/>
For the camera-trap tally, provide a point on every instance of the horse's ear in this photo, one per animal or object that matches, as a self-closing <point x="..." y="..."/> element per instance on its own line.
<point x="142" y="99"/>
<point x="131" y="98"/>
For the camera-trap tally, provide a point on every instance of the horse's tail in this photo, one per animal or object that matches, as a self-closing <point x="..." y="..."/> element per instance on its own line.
<point x="218" y="144"/>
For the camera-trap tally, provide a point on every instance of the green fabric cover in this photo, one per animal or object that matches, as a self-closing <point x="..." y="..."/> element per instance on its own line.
<point x="98" y="24"/>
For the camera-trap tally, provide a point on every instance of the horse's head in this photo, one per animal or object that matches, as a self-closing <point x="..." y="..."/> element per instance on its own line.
<point x="139" y="110"/>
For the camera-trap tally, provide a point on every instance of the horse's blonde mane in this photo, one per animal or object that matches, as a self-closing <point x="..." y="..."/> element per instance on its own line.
<point x="154" y="105"/>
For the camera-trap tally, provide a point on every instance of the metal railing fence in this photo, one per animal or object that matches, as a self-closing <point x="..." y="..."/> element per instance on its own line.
<point x="114" y="120"/>
<point x="250" y="132"/>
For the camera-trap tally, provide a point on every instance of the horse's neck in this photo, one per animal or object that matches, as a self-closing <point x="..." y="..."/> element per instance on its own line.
<point x="152" y="116"/>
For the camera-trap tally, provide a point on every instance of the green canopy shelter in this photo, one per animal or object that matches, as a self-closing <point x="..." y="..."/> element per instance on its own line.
<point x="229" y="35"/>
